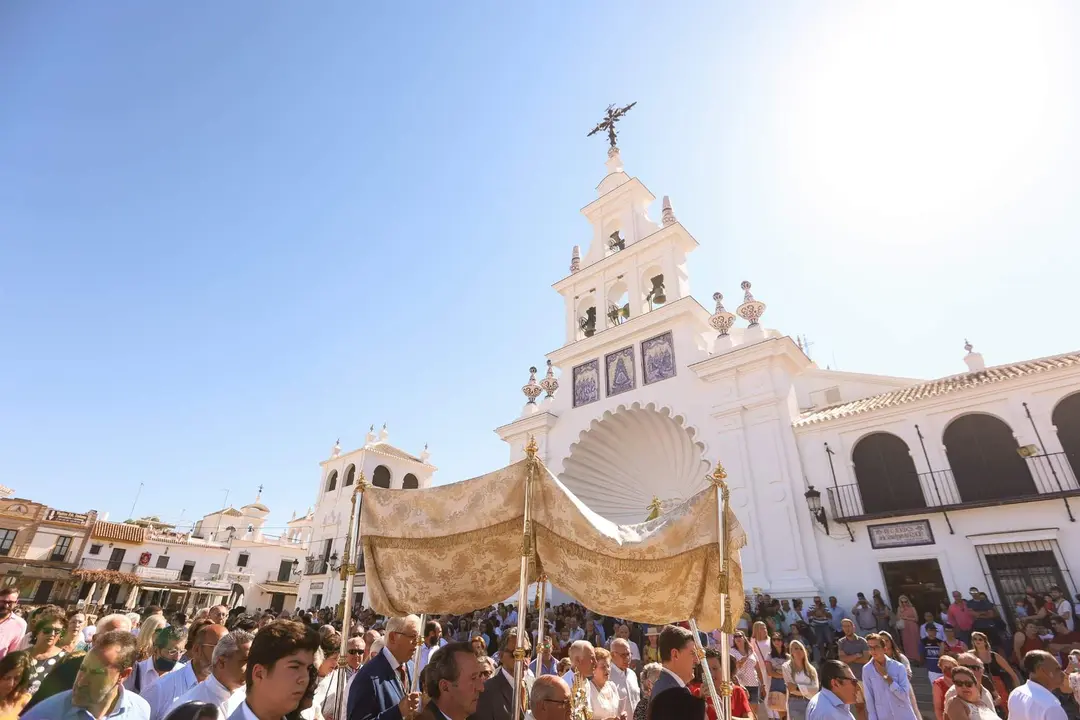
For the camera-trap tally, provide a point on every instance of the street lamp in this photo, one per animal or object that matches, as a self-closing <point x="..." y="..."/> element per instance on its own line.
<point x="813" y="501"/>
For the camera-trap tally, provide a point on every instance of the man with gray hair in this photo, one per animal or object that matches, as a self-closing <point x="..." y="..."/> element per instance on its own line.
<point x="203" y="637"/>
<point x="623" y="676"/>
<point x="582" y="658"/>
<point x="224" y="687"/>
<point x="380" y="688"/>
<point x="550" y="698"/>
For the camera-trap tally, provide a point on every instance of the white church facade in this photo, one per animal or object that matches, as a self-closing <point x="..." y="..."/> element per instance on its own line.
<point x="845" y="482"/>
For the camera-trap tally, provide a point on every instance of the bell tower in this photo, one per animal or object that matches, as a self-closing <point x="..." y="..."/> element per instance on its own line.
<point x="633" y="265"/>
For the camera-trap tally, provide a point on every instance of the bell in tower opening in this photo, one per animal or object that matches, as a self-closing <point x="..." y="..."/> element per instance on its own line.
<point x="656" y="296"/>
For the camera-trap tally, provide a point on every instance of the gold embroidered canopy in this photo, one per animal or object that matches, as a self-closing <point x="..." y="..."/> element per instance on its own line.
<point x="455" y="548"/>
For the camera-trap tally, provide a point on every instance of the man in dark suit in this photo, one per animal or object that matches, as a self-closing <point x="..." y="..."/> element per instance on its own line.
<point x="678" y="657"/>
<point x="498" y="697"/>
<point x="380" y="689"/>
<point x="452" y="681"/>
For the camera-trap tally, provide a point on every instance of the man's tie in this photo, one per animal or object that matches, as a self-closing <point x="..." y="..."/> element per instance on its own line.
<point x="404" y="677"/>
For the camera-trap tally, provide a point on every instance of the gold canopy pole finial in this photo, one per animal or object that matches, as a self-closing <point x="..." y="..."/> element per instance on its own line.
<point x="718" y="479"/>
<point x="531" y="448"/>
<point x="348" y="576"/>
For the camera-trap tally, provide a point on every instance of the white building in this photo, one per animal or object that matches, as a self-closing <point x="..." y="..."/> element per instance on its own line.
<point x="382" y="465"/>
<point x="226" y="558"/>
<point x="656" y="389"/>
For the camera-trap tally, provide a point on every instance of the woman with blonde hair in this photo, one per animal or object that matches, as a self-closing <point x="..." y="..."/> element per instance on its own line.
<point x="144" y="645"/>
<point x="603" y="695"/>
<point x="801" y="679"/>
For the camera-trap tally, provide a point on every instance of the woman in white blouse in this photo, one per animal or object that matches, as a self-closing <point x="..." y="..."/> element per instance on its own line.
<point x="801" y="679"/>
<point x="603" y="695"/>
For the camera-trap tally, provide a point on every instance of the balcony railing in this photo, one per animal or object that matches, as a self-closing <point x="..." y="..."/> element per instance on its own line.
<point x="1051" y="472"/>
<point x="316" y="566"/>
<point x="90" y="563"/>
<point x="155" y="573"/>
<point x="275" y="576"/>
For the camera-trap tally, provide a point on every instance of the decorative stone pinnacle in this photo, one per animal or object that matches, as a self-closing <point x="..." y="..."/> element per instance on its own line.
<point x="721" y="320"/>
<point x="575" y="259"/>
<point x="550" y="384"/>
<point x="531" y="388"/>
<point x="968" y="346"/>
<point x="751" y="310"/>
<point x="668" y="215"/>
<point x="336" y="450"/>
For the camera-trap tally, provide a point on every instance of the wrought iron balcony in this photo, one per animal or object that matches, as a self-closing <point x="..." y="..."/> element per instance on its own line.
<point x="316" y="566"/>
<point x="910" y="494"/>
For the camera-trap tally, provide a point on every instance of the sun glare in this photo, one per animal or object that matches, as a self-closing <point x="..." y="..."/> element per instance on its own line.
<point x="923" y="110"/>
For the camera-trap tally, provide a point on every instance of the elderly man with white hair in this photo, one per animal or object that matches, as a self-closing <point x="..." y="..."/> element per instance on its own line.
<point x="382" y="684"/>
<point x="582" y="659"/>
<point x="224" y="687"/>
<point x="623" y="676"/>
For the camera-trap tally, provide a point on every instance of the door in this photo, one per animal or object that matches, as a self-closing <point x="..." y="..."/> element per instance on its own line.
<point x="44" y="590"/>
<point x="187" y="570"/>
<point x="1013" y="572"/>
<point x="277" y="602"/>
<point x="116" y="559"/>
<point x="110" y="597"/>
<point x="284" y="573"/>
<point x="920" y="580"/>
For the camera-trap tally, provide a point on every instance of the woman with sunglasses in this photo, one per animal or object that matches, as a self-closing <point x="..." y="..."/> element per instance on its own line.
<point x="907" y="621"/>
<point x="801" y="679"/>
<point x="966" y="705"/>
<point x="776" y="701"/>
<point x="999" y="668"/>
<point x="45" y="650"/>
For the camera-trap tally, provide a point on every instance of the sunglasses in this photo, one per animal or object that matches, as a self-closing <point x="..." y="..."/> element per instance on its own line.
<point x="964" y="683"/>
<point x="51" y="631"/>
<point x="355" y="651"/>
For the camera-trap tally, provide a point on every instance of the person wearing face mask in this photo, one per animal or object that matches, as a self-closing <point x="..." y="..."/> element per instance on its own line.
<point x="165" y="651"/>
<point x="203" y="637"/>
<point x="99" y="686"/>
<point x="224" y="687"/>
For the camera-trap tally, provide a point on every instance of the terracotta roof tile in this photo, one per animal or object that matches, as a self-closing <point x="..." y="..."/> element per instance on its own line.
<point x="941" y="386"/>
<point x="123" y="532"/>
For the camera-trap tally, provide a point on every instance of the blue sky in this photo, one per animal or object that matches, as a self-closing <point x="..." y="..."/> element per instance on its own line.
<point x="233" y="232"/>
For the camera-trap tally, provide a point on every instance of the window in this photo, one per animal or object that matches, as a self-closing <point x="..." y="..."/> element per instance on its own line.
<point x="242" y="560"/>
<point x="327" y="548"/>
<point x="381" y="477"/>
<point x="316" y="601"/>
<point x="350" y="475"/>
<point x="189" y="568"/>
<point x="7" y="539"/>
<point x="163" y="562"/>
<point x="409" y="482"/>
<point x="886" y="474"/>
<point x="95" y="549"/>
<point x="215" y="568"/>
<point x="331" y="483"/>
<point x="284" y="573"/>
<point x="60" y="550"/>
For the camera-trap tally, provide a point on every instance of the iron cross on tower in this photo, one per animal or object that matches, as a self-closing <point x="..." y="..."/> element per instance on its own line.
<point x="608" y="123"/>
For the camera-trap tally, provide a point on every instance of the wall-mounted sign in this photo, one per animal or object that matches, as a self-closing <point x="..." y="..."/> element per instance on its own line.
<point x="901" y="534"/>
<point x="66" y="517"/>
<point x="316" y="585"/>
<point x="212" y="585"/>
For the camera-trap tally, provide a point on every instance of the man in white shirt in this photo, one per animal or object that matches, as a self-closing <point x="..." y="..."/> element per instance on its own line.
<point x="202" y="640"/>
<point x="433" y="640"/>
<point x="622" y="632"/>
<point x="582" y="660"/>
<point x="224" y="688"/>
<point x="1063" y="607"/>
<point x="576" y="633"/>
<point x="1034" y="700"/>
<point x="624" y="677"/>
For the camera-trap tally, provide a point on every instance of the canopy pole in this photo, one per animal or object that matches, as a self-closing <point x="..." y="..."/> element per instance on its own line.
<point x="718" y="477"/>
<point x="541" y="598"/>
<point x="348" y="576"/>
<point x="705" y="670"/>
<point x="523" y="578"/>
<point x="414" y="682"/>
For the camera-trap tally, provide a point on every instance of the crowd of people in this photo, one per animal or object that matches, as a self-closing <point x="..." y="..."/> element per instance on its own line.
<point x="824" y="661"/>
